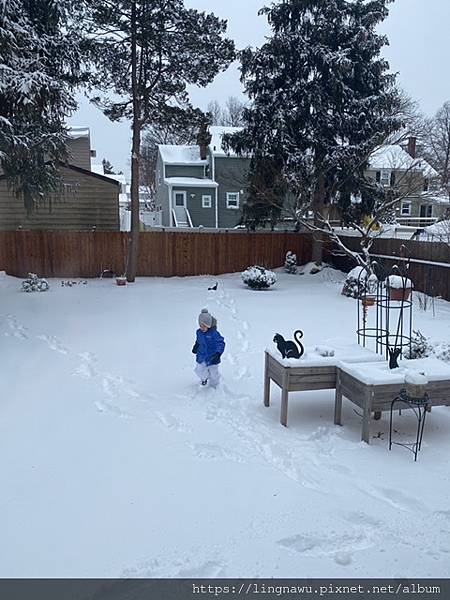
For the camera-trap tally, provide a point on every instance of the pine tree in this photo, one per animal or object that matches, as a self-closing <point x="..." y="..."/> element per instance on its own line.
<point x="108" y="169"/>
<point x="40" y="67"/>
<point x="322" y="98"/>
<point x="147" y="53"/>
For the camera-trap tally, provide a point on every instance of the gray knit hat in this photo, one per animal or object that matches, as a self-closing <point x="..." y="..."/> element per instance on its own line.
<point x="204" y="318"/>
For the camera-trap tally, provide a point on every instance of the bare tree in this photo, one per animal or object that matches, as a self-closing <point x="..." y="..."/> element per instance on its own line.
<point x="216" y="113"/>
<point x="234" y="112"/>
<point x="230" y="116"/>
<point x="437" y="144"/>
<point x="407" y="183"/>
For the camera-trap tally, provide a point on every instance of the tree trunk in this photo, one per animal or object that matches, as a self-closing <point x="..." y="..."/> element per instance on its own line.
<point x="318" y="209"/>
<point x="133" y="247"/>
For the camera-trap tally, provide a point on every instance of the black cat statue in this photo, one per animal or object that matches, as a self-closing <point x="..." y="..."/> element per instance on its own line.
<point x="288" y="348"/>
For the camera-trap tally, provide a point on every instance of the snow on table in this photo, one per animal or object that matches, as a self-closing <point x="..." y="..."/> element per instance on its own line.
<point x="349" y="353"/>
<point x="374" y="386"/>
<point x="380" y="373"/>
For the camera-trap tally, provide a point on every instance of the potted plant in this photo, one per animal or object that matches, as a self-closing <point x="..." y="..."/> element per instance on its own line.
<point x="399" y="287"/>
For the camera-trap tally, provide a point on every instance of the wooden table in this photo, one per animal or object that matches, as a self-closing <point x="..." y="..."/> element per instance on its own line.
<point x="312" y="372"/>
<point x="372" y="387"/>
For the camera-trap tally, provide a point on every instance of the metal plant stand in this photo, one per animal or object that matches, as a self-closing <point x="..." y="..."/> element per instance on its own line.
<point x="390" y="328"/>
<point x="419" y="407"/>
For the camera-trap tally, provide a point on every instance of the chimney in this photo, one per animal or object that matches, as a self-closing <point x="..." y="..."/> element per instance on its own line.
<point x="202" y="147"/>
<point x="411" y="147"/>
<point x="203" y="139"/>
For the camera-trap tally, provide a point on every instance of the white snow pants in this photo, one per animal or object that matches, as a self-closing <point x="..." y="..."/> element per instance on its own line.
<point x="210" y="373"/>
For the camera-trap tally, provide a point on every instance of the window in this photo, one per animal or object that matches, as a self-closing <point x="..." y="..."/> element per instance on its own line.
<point x="426" y="210"/>
<point x="392" y="180"/>
<point x="385" y="178"/>
<point x="180" y="198"/>
<point x="425" y="185"/>
<point x="406" y="208"/>
<point x="233" y="200"/>
<point x="206" y="202"/>
<point x="378" y="176"/>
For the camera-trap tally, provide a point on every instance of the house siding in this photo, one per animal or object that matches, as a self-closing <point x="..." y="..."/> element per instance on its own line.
<point x="231" y="175"/>
<point x="85" y="202"/>
<point x="200" y="216"/>
<point x="80" y="152"/>
<point x="185" y="171"/>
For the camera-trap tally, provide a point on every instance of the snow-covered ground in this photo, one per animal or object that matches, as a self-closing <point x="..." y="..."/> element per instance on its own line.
<point x="115" y="462"/>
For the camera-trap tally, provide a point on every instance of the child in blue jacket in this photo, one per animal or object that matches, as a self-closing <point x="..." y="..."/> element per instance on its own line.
<point x="208" y="348"/>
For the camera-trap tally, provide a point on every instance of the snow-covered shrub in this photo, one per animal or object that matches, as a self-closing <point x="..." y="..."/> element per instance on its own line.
<point x="35" y="284"/>
<point x="420" y="347"/>
<point x="356" y="283"/>
<point x="442" y="351"/>
<point x="290" y="264"/>
<point x="258" y="278"/>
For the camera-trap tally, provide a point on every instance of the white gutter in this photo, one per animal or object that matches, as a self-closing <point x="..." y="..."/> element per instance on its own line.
<point x="213" y="173"/>
<point x="170" y="205"/>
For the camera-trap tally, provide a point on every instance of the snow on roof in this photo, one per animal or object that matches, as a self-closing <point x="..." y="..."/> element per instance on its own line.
<point x="190" y="182"/>
<point x="217" y="133"/>
<point x="180" y="155"/>
<point x="98" y="168"/>
<point x="78" y="132"/>
<point x="392" y="156"/>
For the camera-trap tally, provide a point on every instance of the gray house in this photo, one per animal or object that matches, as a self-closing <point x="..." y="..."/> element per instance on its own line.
<point x="421" y="200"/>
<point x="199" y="186"/>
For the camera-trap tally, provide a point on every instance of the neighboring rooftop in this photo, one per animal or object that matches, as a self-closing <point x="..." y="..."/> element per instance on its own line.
<point x="392" y="156"/>
<point x="190" y="182"/>
<point x="217" y="133"/>
<point x="180" y="155"/>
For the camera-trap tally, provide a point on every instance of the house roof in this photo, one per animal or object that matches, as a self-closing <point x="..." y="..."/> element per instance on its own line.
<point x="80" y="170"/>
<point x="190" y="182"/>
<point x="78" y="132"/>
<point x="180" y="155"/>
<point x="217" y="133"/>
<point x="87" y="172"/>
<point x="98" y="168"/>
<point x="392" y="156"/>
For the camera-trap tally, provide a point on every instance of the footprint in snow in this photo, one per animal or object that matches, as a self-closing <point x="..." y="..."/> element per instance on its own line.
<point x="215" y="452"/>
<point x="18" y="331"/>
<point x="338" y="545"/>
<point x="176" y="568"/>
<point x="53" y="343"/>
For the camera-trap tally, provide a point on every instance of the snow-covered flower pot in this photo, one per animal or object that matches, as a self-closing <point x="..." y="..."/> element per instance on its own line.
<point x="258" y="278"/>
<point x="415" y="384"/>
<point x="399" y="287"/>
<point x="121" y="280"/>
<point x="368" y="300"/>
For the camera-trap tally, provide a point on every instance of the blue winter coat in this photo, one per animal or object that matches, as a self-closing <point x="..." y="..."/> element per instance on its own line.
<point x="209" y="343"/>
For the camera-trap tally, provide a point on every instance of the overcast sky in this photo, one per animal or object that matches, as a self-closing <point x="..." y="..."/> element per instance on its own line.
<point x="417" y="51"/>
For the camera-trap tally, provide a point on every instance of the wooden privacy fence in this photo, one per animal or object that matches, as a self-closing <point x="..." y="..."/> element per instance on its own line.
<point x="161" y="253"/>
<point x="429" y="267"/>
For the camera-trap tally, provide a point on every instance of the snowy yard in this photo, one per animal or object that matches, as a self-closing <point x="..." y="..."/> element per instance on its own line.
<point x="115" y="462"/>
